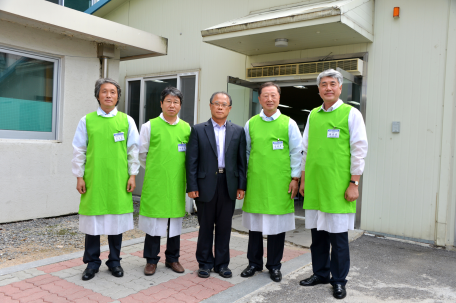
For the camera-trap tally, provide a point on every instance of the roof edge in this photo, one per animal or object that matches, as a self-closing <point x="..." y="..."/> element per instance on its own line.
<point x="328" y="12"/>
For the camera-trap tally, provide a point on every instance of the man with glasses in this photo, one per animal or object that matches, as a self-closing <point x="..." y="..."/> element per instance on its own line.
<point x="162" y="153"/>
<point x="216" y="164"/>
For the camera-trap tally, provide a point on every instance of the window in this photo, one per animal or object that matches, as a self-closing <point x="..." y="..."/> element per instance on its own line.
<point x="142" y="100"/>
<point x="28" y="95"/>
<point x="79" y="5"/>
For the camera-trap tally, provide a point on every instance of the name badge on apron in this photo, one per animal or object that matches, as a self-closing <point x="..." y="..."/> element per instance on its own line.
<point x="182" y="147"/>
<point x="333" y="133"/>
<point x="277" y="144"/>
<point x="119" y="137"/>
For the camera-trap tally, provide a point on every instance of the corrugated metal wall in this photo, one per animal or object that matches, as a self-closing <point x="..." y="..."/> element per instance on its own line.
<point x="406" y="84"/>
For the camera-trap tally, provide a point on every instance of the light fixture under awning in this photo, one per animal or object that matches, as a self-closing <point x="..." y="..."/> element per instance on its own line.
<point x="307" y="26"/>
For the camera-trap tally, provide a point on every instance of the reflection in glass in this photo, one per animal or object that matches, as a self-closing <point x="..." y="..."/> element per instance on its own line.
<point x="26" y="93"/>
<point x="134" y="93"/>
<point x="79" y="5"/>
<point x="188" y="87"/>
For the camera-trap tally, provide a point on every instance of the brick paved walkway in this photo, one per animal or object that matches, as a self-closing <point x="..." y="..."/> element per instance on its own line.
<point x="61" y="282"/>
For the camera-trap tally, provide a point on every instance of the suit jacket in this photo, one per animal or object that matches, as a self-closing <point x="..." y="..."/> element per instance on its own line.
<point x="202" y="164"/>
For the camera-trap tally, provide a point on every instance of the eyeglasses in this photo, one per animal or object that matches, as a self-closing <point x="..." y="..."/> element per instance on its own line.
<point x="173" y="102"/>
<point x="224" y="105"/>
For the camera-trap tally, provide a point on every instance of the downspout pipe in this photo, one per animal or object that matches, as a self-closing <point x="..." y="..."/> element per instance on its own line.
<point x="104" y="67"/>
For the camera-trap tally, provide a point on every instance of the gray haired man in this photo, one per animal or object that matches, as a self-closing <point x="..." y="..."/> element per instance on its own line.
<point x="334" y="146"/>
<point x="105" y="163"/>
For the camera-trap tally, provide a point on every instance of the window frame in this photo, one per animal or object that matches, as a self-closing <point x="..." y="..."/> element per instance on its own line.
<point x="62" y="2"/>
<point x="142" y="101"/>
<point x="35" y="135"/>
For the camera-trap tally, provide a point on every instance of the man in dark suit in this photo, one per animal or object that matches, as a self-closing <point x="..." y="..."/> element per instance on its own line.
<point x="216" y="177"/>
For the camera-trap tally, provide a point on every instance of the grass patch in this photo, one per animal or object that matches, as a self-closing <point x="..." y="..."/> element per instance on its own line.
<point x="64" y="232"/>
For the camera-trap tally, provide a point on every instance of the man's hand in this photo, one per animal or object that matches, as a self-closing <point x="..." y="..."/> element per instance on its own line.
<point x="193" y="194"/>
<point x="131" y="185"/>
<point x="351" y="194"/>
<point x="81" y="185"/>
<point x="240" y="194"/>
<point x="293" y="188"/>
<point x="301" y="187"/>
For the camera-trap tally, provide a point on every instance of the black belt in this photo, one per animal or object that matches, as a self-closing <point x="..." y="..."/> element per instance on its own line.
<point x="221" y="170"/>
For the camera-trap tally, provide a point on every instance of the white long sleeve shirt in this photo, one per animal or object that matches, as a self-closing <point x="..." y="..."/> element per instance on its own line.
<point x="294" y="142"/>
<point x="156" y="226"/>
<point x="338" y="223"/>
<point x="104" y="224"/>
<point x="275" y="224"/>
<point x="81" y="139"/>
<point x="358" y="139"/>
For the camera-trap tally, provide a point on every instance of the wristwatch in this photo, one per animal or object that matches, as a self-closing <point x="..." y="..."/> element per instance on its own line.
<point x="354" y="182"/>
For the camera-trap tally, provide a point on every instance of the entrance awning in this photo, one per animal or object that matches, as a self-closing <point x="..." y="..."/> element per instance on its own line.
<point x="327" y="23"/>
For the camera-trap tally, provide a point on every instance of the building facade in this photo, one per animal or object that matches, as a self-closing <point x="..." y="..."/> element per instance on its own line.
<point x="403" y="70"/>
<point x="400" y="71"/>
<point x="50" y="58"/>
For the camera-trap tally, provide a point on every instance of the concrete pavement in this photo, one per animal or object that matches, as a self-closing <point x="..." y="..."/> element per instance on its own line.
<point x="382" y="270"/>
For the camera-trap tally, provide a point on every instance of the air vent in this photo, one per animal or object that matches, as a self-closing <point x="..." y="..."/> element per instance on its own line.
<point x="354" y="66"/>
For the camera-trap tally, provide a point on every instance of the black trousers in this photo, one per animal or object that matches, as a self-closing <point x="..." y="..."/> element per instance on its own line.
<point x="152" y="248"/>
<point x="339" y="262"/>
<point x="276" y="244"/>
<point x="92" y="251"/>
<point x="219" y="212"/>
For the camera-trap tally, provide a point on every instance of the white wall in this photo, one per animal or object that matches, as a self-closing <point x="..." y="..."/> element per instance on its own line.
<point x="36" y="174"/>
<point x="181" y="22"/>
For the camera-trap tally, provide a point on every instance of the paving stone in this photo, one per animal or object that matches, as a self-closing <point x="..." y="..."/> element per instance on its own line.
<point x="69" y="272"/>
<point x="10" y="279"/>
<point x="122" y="293"/>
<point x="6" y="299"/>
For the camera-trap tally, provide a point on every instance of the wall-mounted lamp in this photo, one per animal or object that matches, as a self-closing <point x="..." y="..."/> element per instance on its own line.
<point x="396" y="12"/>
<point x="281" y="42"/>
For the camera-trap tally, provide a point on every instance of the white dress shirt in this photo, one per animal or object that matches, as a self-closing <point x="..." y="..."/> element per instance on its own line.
<point x="275" y="224"/>
<point x="220" y="133"/>
<point x="338" y="223"/>
<point x="156" y="226"/>
<point x="105" y="224"/>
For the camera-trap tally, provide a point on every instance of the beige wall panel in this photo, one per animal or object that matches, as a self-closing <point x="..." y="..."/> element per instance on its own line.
<point x="405" y="84"/>
<point x="362" y="16"/>
<point x="181" y="22"/>
<point x="37" y="179"/>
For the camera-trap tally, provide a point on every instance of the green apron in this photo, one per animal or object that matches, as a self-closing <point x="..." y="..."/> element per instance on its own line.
<point x="269" y="171"/>
<point x="163" y="194"/>
<point x="327" y="171"/>
<point x="106" y="169"/>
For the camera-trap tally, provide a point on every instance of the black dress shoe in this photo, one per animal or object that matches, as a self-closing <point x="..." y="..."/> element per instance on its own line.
<point x="313" y="280"/>
<point x="117" y="271"/>
<point x="249" y="271"/>
<point x="204" y="273"/>
<point x="89" y="273"/>
<point x="339" y="291"/>
<point x="275" y="275"/>
<point x="224" y="272"/>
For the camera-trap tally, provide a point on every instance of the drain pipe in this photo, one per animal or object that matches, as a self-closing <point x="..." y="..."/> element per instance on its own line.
<point x="104" y="67"/>
<point x="105" y="52"/>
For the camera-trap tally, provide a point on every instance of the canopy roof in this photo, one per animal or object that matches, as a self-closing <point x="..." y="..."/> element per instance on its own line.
<point x="314" y="25"/>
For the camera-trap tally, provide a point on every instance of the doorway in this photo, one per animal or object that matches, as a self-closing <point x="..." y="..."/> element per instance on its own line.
<point x="297" y="100"/>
